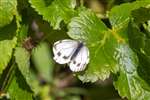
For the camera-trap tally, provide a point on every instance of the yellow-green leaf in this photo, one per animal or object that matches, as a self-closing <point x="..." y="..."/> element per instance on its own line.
<point x="7" y="11"/>
<point x="6" y="49"/>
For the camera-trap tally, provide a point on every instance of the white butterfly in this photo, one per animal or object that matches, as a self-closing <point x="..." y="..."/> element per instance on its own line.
<point x="71" y="52"/>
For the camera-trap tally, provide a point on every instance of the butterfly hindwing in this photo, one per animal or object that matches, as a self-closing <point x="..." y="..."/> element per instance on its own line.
<point x="63" y="50"/>
<point x="81" y="60"/>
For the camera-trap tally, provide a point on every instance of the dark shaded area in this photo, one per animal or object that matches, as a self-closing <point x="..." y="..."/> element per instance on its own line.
<point x="21" y="81"/>
<point x="134" y="34"/>
<point x="9" y="31"/>
<point x="4" y="77"/>
<point x="144" y="67"/>
<point x="139" y="40"/>
<point x="141" y="15"/>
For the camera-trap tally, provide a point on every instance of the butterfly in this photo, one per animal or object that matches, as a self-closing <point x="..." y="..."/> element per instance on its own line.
<point x="71" y="52"/>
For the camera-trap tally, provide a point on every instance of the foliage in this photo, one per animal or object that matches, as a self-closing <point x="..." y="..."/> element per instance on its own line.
<point x="118" y="42"/>
<point x="89" y="28"/>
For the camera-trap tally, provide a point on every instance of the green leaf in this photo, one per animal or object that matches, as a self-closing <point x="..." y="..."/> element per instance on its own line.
<point x="7" y="11"/>
<point x="18" y="88"/>
<point x="52" y="35"/>
<point x="141" y="15"/>
<point x="134" y="87"/>
<point x="141" y="47"/>
<point x="81" y="27"/>
<point x="56" y="12"/>
<point x="101" y="43"/>
<point x="142" y="43"/>
<point x="126" y="58"/>
<point x="8" y="31"/>
<point x="134" y="34"/>
<point x="147" y="47"/>
<point x="42" y="60"/>
<point x="6" y="48"/>
<point x="144" y="66"/>
<point x="22" y="35"/>
<point x="143" y="0"/>
<point x="128" y="83"/>
<point x="22" y="57"/>
<point x="119" y="15"/>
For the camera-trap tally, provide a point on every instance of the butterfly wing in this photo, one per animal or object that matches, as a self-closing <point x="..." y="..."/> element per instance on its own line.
<point x="63" y="50"/>
<point x="81" y="60"/>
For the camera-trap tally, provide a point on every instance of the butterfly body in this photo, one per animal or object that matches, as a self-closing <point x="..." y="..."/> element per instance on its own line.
<point x="71" y="52"/>
<point x="80" y="45"/>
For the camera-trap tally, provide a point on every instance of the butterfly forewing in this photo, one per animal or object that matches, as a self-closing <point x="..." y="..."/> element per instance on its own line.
<point x="63" y="50"/>
<point x="80" y="61"/>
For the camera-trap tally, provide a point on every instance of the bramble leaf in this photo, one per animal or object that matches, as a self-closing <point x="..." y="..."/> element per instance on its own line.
<point x="101" y="43"/>
<point x="23" y="61"/>
<point x="42" y="60"/>
<point x="22" y="57"/>
<point x="8" y="31"/>
<point x="141" y="47"/>
<point x="128" y="83"/>
<point x="55" y="12"/>
<point x="141" y="15"/>
<point x="113" y="51"/>
<point x="119" y="15"/>
<point x="6" y="49"/>
<point x="18" y="89"/>
<point x="7" y="11"/>
<point x="134" y="34"/>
